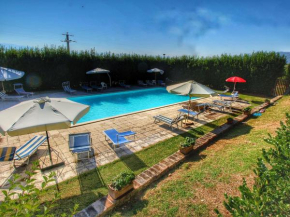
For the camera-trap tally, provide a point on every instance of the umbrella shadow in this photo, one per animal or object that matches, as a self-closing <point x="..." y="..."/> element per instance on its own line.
<point x="87" y="164"/>
<point x="130" y="159"/>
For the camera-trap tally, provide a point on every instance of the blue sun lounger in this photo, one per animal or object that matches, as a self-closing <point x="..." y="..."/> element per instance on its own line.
<point x="18" y="87"/>
<point x="80" y="143"/>
<point x="85" y="86"/>
<point x="118" y="138"/>
<point x="66" y="87"/>
<point x="29" y="148"/>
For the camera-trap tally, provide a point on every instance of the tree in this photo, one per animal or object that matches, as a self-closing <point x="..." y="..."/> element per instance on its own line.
<point x="271" y="191"/>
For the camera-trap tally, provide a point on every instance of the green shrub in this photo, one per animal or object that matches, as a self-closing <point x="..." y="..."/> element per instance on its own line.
<point x="188" y="142"/>
<point x="271" y="191"/>
<point x="123" y="179"/>
<point x="267" y="101"/>
<point x="26" y="200"/>
<point x="248" y="109"/>
<point x="46" y="68"/>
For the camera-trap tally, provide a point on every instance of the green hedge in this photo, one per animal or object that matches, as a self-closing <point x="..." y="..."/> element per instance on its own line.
<point x="48" y="67"/>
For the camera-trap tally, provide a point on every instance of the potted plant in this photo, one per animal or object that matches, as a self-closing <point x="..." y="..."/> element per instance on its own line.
<point x="230" y="121"/>
<point x="267" y="101"/>
<point x="187" y="146"/>
<point x="247" y="111"/>
<point x="121" y="184"/>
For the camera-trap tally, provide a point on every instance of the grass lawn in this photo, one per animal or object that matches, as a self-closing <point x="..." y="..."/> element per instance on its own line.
<point x="197" y="187"/>
<point x="90" y="186"/>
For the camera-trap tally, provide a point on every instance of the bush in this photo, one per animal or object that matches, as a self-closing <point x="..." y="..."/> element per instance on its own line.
<point x="26" y="201"/>
<point x="188" y="142"/>
<point x="123" y="179"/>
<point x="47" y="68"/>
<point x="248" y="109"/>
<point x="271" y="191"/>
<point x="267" y="101"/>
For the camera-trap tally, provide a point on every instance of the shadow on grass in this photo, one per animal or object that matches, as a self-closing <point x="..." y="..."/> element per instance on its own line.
<point x="86" y="183"/>
<point x="131" y="209"/>
<point x="257" y="102"/>
<point x="237" y="131"/>
<point x="131" y="160"/>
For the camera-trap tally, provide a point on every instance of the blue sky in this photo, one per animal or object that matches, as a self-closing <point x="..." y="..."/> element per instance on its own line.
<point x="153" y="27"/>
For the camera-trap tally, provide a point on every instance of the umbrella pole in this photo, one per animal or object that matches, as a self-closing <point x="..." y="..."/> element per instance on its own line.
<point x="189" y="106"/>
<point x="50" y="158"/>
<point x="49" y="150"/>
<point x="110" y="79"/>
<point x="234" y="86"/>
<point x="3" y="87"/>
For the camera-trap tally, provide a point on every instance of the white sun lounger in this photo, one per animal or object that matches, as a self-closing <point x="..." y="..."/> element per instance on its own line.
<point x="4" y="96"/>
<point x="169" y="121"/>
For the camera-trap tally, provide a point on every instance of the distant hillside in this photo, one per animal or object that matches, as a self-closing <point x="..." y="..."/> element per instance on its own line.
<point x="287" y="54"/>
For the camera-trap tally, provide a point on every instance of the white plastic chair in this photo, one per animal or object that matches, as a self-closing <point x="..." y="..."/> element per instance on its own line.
<point x="104" y="85"/>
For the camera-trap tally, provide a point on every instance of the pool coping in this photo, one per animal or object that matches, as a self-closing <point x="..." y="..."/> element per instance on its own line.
<point x="131" y="113"/>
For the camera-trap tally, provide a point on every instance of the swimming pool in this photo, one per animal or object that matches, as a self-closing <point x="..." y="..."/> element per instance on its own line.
<point x="113" y="104"/>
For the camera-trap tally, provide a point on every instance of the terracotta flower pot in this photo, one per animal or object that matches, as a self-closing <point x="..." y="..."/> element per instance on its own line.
<point x="117" y="194"/>
<point x="186" y="150"/>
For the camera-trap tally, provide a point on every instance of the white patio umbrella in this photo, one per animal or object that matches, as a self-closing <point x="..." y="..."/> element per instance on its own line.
<point x="100" y="71"/>
<point x="189" y="88"/>
<point x="9" y="74"/>
<point x="155" y="70"/>
<point x="39" y="115"/>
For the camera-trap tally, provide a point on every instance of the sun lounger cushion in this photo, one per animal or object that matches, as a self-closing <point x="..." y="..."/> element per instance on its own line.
<point x="29" y="147"/>
<point x="7" y="153"/>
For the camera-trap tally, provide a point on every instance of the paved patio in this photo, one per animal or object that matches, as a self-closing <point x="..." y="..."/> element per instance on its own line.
<point x="148" y="134"/>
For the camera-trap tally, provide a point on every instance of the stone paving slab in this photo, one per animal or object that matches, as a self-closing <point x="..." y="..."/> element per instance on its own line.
<point x="148" y="134"/>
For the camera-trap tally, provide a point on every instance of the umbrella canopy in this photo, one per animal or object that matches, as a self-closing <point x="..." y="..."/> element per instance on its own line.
<point x="41" y="114"/>
<point x="235" y="80"/>
<point x="9" y="74"/>
<point x="190" y="88"/>
<point x="99" y="71"/>
<point x="155" y="70"/>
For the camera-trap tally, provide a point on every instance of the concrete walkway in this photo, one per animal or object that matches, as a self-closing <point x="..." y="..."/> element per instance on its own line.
<point x="148" y="134"/>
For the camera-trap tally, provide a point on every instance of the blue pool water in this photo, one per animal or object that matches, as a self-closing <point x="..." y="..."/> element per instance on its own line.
<point x="112" y="104"/>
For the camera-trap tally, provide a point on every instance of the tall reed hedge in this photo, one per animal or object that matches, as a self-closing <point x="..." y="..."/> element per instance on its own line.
<point x="46" y="68"/>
